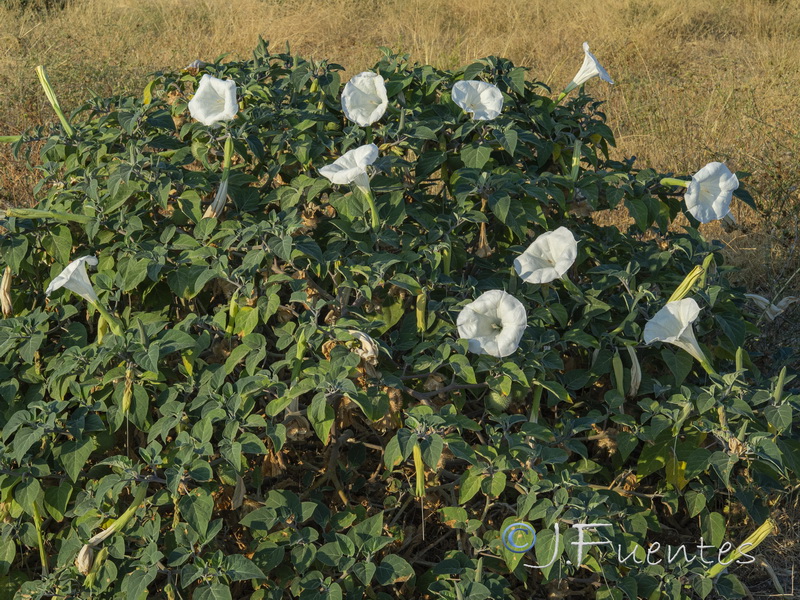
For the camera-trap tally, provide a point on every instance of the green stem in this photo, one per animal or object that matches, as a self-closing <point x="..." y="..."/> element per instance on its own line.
<point x="537" y="401"/>
<point x="668" y="181"/>
<point x="51" y="97"/>
<point x="37" y="521"/>
<point x="368" y="134"/>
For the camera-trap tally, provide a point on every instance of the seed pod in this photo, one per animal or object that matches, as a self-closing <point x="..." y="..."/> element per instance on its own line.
<point x="85" y="559"/>
<point x="497" y="402"/>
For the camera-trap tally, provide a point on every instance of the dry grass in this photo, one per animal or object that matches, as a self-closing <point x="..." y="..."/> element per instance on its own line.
<point x="696" y="80"/>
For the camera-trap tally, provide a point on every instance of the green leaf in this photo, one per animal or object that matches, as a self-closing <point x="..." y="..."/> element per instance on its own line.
<point x="470" y="484"/>
<point x="213" y="591"/>
<point x="197" y="507"/>
<point x="712" y="528"/>
<point x="15" y="254"/>
<point x="475" y="156"/>
<point x="8" y="551"/>
<point x="548" y="545"/>
<point x="321" y="416"/>
<point x="241" y="568"/>
<point x="462" y="368"/>
<point x="365" y="571"/>
<point x="393" y="569"/>
<point x="56" y="500"/>
<point x="780" y="417"/>
<point x="134" y="584"/>
<point x="695" y="503"/>
<point x="58" y="243"/>
<point x="135" y="273"/>
<point x="26" y="493"/>
<point x="74" y="454"/>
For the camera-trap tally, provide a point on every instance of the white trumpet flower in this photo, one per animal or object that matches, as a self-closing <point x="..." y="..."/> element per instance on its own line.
<point x="364" y="98"/>
<point x="772" y="311"/>
<point x="673" y="325"/>
<point x="709" y="193"/>
<point x="75" y="278"/>
<point x="591" y="67"/>
<point x="214" y="101"/>
<point x="493" y="323"/>
<point x="483" y="100"/>
<point x="351" y="167"/>
<point x="548" y="257"/>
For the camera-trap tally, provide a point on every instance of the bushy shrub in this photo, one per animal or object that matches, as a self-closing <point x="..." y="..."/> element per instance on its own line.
<point x="264" y="447"/>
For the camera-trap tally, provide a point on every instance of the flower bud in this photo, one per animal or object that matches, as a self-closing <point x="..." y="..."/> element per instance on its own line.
<point x="127" y="394"/>
<point x="636" y="372"/>
<point x="5" y="293"/>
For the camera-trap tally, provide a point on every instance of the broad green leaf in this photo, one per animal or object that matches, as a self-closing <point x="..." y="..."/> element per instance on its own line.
<point x="197" y="508"/>
<point x="393" y="569"/>
<point x="74" y="454"/>
<point x="241" y="568"/>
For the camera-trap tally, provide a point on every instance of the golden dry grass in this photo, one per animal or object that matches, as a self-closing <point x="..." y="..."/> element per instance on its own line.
<point x="696" y="80"/>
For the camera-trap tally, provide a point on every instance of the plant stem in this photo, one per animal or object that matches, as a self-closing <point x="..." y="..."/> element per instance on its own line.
<point x="368" y="134"/>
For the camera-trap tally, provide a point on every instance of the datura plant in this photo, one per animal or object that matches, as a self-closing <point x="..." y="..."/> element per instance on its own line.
<point x="353" y="342"/>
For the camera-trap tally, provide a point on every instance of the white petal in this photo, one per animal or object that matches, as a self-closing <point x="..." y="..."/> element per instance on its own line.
<point x="591" y="67"/>
<point x="483" y="100"/>
<point x="548" y="257"/>
<point x="710" y="192"/>
<point x="75" y="278"/>
<point x="673" y="325"/>
<point x="364" y="98"/>
<point x="214" y="101"/>
<point x="494" y="323"/>
<point x="351" y="165"/>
